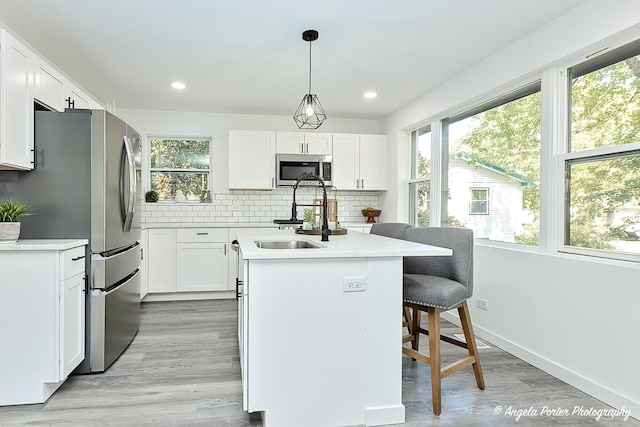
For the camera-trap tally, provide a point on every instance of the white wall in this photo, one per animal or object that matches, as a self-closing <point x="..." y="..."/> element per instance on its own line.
<point x="575" y="317"/>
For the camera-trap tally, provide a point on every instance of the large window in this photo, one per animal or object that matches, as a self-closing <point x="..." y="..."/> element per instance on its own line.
<point x="180" y="164"/>
<point x="420" y="182"/>
<point x="493" y="163"/>
<point x="602" y="166"/>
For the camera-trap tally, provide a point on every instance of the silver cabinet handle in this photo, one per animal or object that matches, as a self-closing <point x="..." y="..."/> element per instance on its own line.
<point x="225" y="249"/>
<point x="78" y="258"/>
<point x="302" y="147"/>
<point x="201" y="234"/>
<point x="362" y="183"/>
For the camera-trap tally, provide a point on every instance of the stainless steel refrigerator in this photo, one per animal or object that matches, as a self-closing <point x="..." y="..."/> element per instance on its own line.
<point x="86" y="184"/>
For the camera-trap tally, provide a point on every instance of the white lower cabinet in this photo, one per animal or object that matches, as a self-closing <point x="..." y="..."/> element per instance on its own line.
<point x="183" y="260"/>
<point x="42" y="313"/>
<point x="202" y="255"/>
<point x="161" y="260"/>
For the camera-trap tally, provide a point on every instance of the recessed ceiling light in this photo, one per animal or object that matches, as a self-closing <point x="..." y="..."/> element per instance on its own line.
<point x="178" y="85"/>
<point x="370" y="95"/>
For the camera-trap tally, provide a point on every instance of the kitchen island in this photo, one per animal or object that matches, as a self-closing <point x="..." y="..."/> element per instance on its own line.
<point x="320" y="327"/>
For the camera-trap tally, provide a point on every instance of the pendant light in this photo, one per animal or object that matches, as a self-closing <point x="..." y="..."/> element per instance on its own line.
<point x="310" y="114"/>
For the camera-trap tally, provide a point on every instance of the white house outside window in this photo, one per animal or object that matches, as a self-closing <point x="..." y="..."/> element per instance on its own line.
<point x="493" y="159"/>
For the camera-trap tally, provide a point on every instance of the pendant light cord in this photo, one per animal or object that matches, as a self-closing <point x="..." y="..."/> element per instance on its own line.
<point x="309" y="68"/>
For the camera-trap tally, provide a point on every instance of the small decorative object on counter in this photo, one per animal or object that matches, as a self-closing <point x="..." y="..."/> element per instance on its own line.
<point x="371" y="213"/>
<point x="180" y="198"/>
<point x="151" y="196"/>
<point x="10" y="214"/>
<point x="307" y="219"/>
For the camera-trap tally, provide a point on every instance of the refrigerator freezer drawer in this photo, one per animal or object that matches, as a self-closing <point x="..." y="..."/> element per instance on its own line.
<point x="115" y="319"/>
<point x="107" y="271"/>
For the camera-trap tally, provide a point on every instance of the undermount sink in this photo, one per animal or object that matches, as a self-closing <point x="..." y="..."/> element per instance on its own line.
<point x="286" y="244"/>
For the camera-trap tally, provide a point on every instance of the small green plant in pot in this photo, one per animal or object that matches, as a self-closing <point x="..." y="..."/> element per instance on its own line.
<point x="151" y="196"/>
<point x="10" y="214"/>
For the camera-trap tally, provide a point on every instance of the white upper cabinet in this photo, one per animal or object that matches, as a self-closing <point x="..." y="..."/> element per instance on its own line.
<point x="17" y="65"/>
<point x="360" y="162"/>
<point x="304" y="143"/>
<point x="252" y="160"/>
<point x="55" y="91"/>
<point x="50" y="86"/>
<point x="76" y="98"/>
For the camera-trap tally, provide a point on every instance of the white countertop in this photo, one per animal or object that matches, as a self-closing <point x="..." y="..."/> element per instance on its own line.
<point x="43" y="244"/>
<point x="351" y="245"/>
<point x="148" y="225"/>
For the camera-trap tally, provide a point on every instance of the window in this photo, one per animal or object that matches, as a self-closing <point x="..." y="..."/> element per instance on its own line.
<point x="494" y="149"/>
<point x="180" y="164"/>
<point x="479" y="204"/>
<point x="602" y="165"/>
<point x="420" y="182"/>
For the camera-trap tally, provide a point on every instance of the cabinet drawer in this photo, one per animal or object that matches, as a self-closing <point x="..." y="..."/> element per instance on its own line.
<point x="194" y="235"/>
<point x="73" y="262"/>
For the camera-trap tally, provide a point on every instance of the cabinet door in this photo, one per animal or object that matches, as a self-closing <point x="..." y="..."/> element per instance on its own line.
<point x="50" y="86"/>
<point x="373" y="162"/>
<point x="71" y="324"/>
<point x="290" y="142"/>
<point x="76" y="98"/>
<point x="318" y="143"/>
<point x="16" y="104"/>
<point x="202" y="267"/>
<point x="161" y="260"/>
<point x="252" y="161"/>
<point x="345" y="161"/>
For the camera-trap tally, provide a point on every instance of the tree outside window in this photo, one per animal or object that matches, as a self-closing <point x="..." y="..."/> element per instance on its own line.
<point x="602" y="168"/>
<point x="180" y="164"/>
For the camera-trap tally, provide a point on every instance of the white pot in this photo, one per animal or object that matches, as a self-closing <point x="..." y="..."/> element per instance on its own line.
<point x="9" y="232"/>
<point x="180" y="197"/>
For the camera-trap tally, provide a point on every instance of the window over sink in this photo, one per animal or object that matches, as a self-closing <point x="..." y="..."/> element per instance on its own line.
<point x="180" y="163"/>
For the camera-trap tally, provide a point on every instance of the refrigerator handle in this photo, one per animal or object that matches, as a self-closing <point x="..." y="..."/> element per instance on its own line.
<point x="129" y="203"/>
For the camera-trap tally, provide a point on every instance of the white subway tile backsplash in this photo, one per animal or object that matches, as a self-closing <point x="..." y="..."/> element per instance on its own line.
<point x="257" y="206"/>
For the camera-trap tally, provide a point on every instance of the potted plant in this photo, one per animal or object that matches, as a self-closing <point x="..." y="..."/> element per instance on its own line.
<point x="10" y="214"/>
<point x="151" y="196"/>
<point x="307" y="219"/>
<point x="371" y="213"/>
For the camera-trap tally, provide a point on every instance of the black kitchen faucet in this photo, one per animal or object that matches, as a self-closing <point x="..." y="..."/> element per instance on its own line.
<point x="325" y="211"/>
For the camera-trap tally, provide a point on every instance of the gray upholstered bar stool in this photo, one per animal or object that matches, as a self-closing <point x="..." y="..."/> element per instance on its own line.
<point x="434" y="285"/>
<point x="390" y="229"/>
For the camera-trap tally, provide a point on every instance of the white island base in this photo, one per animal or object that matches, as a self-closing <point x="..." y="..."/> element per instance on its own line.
<point x="319" y="349"/>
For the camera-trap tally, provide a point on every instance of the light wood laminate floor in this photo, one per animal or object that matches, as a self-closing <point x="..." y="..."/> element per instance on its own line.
<point x="182" y="369"/>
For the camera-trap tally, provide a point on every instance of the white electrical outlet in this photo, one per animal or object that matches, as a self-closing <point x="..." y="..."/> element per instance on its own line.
<point x="482" y="304"/>
<point x="354" y="284"/>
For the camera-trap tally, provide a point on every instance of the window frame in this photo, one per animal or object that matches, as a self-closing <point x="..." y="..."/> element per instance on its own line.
<point x="567" y="156"/>
<point x="208" y="171"/>
<point x="534" y="85"/>
<point x="414" y="181"/>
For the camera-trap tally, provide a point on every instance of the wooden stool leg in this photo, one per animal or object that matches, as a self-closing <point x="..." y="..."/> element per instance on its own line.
<point x="467" y="328"/>
<point x="407" y="318"/>
<point x="415" y="328"/>
<point x="433" y="318"/>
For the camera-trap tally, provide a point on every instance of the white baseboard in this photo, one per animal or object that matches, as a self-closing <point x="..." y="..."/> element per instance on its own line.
<point x="598" y="391"/>
<point x="186" y="296"/>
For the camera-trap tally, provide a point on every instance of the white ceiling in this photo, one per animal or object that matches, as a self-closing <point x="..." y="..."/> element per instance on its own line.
<point x="248" y="56"/>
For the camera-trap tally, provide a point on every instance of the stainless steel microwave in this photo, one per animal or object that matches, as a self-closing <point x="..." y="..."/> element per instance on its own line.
<point x="290" y="167"/>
